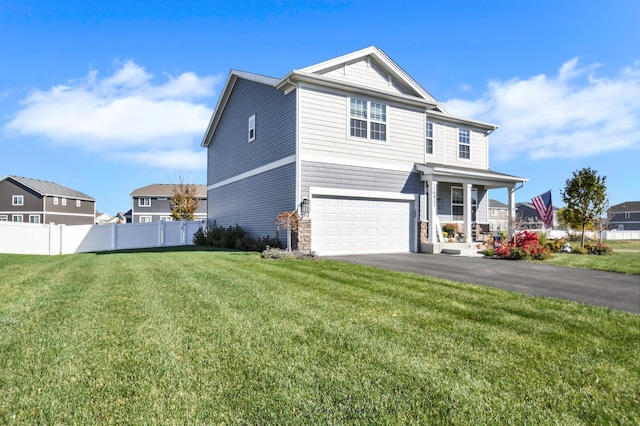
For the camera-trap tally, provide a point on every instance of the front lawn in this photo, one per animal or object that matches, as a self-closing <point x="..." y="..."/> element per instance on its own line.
<point x="625" y="258"/>
<point x="208" y="337"/>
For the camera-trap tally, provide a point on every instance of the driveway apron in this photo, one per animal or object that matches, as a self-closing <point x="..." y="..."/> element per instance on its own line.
<point x="598" y="288"/>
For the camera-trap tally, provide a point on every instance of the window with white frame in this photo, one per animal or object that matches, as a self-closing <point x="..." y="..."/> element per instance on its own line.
<point x="17" y="200"/>
<point x="620" y="227"/>
<point x="457" y="203"/>
<point x="64" y="201"/>
<point x="367" y="120"/>
<point x="34" y="218"/>
<point x="55" y="200"/>
<point x="145" y="219"/>
<point x="429" y="138"/>
<point x="144" y="202"/>
<point x="627" y="215"/>
<point x="78" y="203"/>
<point x="464" y="144"/>
<point x="166" y="218"/>
<point x="252" y="128"/>
<point x="16" y="218"/>
<point x="4" y="218"/>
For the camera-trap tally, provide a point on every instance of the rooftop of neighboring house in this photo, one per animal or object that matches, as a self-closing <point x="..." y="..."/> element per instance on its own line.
<point x="626" y="207"/>
<point x="47" y="188"/>
<point x="165" y="190"/>
<point x="495" y="204"/>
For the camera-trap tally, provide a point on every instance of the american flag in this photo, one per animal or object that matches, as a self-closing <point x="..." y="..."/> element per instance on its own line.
<point x="543" y="206"/>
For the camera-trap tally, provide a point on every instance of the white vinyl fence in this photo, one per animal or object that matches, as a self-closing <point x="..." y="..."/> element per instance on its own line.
<point x="52" y="239"/>
<point x="621" y="235"/>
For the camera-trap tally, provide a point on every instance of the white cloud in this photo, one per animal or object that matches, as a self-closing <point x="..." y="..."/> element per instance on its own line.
<point x="125" y="113"/>
<point x="575" y="114"/>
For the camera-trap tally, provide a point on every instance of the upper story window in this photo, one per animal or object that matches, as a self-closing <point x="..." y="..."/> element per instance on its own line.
<point x="627" y="215"/>
<point x="17" y="200"/>
<point x="55" y="201"/>
<point x="144" y="202"/>
<point x="78" y="203"/>
<point x="464" y="144"/>
<point x="368" y="120"/>
<point x="64" y="201"/>
<point x="252" y="128"/>
<point x="429" y="138"/>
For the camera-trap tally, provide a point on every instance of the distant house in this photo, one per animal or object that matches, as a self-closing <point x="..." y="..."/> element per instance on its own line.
<point x="124" y="217"/>
<point x="37" y="201"/>
<point x="528" y="216"/>
<point x="624" y="216"/>
<point x="152" y="203"/>
<point x="498" y="215"/>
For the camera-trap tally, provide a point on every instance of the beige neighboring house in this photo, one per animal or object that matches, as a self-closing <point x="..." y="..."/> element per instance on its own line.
<point x="498" y="216"/>
<point x="152" y="203"/>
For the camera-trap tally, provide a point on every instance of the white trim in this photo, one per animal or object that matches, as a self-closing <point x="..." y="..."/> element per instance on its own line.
<point x="64" y="201"/>
<point x="358" y="193"/>
<point x="162" y="214"/>
<point x="4" y="218"/>
<point x="145" y="217"/>
<point x="14" y="216"/>
<point x="267" y="167"/>
<point x="56" y="201"/>
<point x="144" y="205"/>
<point x="54" y="213"/>
<point x="15" y="198"/>
<point x="49" y="213"/>
<point x="34" y="215"/>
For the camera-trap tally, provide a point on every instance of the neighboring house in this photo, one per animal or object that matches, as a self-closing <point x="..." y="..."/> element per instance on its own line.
<point x="124" y="217"/>
<point x="103" y="218"/>
<point x="498" y="215"/>
<point x="358" y="147"/>
<point x="528" y="216"/>
<point x="152" y="203"/>
<point x="37" y="201"/>
<point x="624" y="216"/>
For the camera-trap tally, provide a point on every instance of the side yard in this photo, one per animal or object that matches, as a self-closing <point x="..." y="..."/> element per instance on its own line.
<point x="200" y="336"/>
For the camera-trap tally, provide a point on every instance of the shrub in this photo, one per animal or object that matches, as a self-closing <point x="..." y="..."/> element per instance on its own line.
<point x="233" y="237"/>
<point x="598" y="249"/>
<point x="278" y="253"/>
<point x="579" y="250"/>
<point x="555" y="246"/>
<point x="524" y="245"/>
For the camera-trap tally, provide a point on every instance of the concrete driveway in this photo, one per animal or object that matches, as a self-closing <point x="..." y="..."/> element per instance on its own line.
<point x="607" y="289"/>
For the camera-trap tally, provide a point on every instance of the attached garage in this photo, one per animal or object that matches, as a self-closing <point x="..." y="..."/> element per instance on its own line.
<point x="359" y="225"/>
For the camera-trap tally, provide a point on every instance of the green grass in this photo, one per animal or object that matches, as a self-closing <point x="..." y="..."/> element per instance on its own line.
<point x="625" y="258"/>
<point x="206" y="337"/>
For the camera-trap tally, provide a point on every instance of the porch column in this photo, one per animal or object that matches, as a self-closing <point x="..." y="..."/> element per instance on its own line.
<point x="432" y="209"/>
<point x="512" y="211"/>
<point x="466" y="193"/>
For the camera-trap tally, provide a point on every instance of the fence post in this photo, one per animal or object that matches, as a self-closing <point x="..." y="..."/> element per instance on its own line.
<point x="114" y="237"/>
<point x="161" y="233"/>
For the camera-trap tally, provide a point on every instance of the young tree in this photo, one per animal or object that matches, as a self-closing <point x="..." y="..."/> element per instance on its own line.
<point x="184" y="202"/>
<point x="586" y="198"/>
<point x="289" y="221"/>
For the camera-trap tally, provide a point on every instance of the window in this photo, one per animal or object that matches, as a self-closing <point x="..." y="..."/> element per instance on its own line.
<point x="494" y="212"/>
<point x="627" y="215"/>
<point x="78" y="203"/>
<point x="64" y="201"/>
<point x="34" y="218"/>
<point x="144" y="202"/>
<point x="621" y="227"/>
<point x="368" y="120"/>
<point x="457" y="203"/>
<point x="4" y="218"/>
<point x="55" y="200"/>
<point x="252" y="128"/>
<point x="17" y="200"/>
<point x="429" y="138"/>
<point x="166" y="218"/>
<point x="16" y="218"/>
<point x="464" y="144"/>
<point x="162" y="198"/>
<point x="145" y="219"/>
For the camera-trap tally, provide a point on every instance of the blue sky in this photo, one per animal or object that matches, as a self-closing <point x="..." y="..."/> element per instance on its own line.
<point x="109" y="96"/>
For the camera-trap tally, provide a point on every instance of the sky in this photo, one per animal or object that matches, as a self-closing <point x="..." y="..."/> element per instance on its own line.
<point x="108" y="96"/>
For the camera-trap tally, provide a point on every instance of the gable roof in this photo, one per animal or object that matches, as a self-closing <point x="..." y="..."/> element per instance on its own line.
<point x="46" y="188"/>
<point x="626" y="207"/>
<point x="165" y="190"/>
<point x="403" y="87"/>
<point x="495" y="204"/>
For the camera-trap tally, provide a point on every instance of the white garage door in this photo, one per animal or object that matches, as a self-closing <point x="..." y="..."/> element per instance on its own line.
<point x="360" y="225"/>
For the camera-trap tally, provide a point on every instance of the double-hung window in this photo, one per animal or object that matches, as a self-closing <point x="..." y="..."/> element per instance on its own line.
<point x="145" y="219"/>
<point x="17" y="218"/>
<point x="368" y="120"/>
<point x="34" y="218"/>
<point x="17" y="200"/>
<point x="457" y="203"/>
<point x="144" y="202"/>
<point x="464" y="144"/>
<point x="429" y="138"/>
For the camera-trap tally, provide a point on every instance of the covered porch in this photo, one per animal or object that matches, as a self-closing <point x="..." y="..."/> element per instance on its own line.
<point x="459" y="196"/>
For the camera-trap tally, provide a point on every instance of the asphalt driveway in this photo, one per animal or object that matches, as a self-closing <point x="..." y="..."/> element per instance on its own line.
<point x="607" y="289"/>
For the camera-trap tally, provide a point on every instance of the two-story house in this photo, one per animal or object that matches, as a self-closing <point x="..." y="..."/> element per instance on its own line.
<point x="37" y="201"/>
<point x="624" y="216"/>
<point x="355" y="145"/>
<point x="152" y="203"/>
<point x="527" y="216"/>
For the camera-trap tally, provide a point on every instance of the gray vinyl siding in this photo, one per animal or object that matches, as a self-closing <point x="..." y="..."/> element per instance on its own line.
<point x="444" y="193"/>
<point x="254" y="202"/>
<point x="230" y="153"/>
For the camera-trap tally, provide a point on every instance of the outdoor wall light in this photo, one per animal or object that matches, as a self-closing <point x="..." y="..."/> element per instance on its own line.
<point x="304" y="206"/>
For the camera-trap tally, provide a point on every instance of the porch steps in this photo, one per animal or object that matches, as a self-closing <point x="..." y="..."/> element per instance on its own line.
<point x="460" y="249"/>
